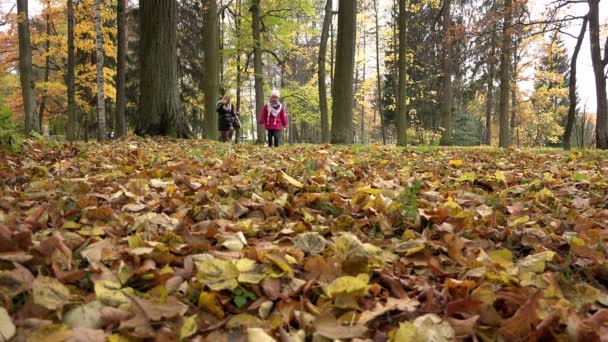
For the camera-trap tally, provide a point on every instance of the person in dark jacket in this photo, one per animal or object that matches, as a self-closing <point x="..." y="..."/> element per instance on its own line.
<point x="225" y="118"/>
<point x="274" y="118"/>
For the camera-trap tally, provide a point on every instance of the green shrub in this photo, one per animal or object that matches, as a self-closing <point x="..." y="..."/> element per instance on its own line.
<point x="11" y="137"/>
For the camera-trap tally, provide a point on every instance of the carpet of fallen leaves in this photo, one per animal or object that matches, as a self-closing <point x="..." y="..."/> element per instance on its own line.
<point x="177" y="240"/>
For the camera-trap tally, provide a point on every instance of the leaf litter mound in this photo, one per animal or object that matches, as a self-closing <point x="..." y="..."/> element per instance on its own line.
<point x="190" y="240"/>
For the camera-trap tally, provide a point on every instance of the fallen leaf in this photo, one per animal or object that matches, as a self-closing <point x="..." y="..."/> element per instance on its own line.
<point x="50" y="293"/>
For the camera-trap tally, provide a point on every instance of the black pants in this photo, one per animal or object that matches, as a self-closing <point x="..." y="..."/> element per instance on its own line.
<point x="273" y="134"/>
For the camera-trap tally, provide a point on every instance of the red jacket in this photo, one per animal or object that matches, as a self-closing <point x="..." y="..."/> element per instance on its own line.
<point x="272" y="122"/>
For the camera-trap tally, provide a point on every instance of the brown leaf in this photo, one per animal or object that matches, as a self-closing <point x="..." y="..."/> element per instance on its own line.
<point x="405" y="304"/>
<point x="524" y="321"/>
<point x="87" y="335"/>
<point x="327" y="326"/>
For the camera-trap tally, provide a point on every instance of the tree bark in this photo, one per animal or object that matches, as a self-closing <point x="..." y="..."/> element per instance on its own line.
<point x="362" y="123"/>
<point x="71" y="129"/>
<point x="378" y="73"/>
<point x="324" y="111"/>
<point x="257" y="67"/>
<point x="601" y="127"/>
<point x="445" y="118"/>
<point x="342" y="87"/>
<point x="402" y="77"/>
<point x="211" y="78"/>
<point x="490" y="89"/>
<point x="239" y="82"/>
<point x="101" y="99"/>
<point x="47" y="63"/>
<point x="121" y="66"/>
<point x="159" y="105"/>
<point x="505" y="79"/>
<point x="25" y="69"/>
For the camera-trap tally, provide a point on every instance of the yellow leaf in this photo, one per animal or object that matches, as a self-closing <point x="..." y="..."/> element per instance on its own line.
<point x="189" y="327"/>
<point x="290" y="180"/>
<point x="368" y="190"/>
<point x="111" y="293"/>
<point x="258" y="335"/>
<point x="503" y="257"/>
<point x="521" y="220"/>
<point x="407" y="332"/>
<point x="500" y="176"/>
<point x="349" y="285"/>
<point x="576" y="241"/>
<point x="456" y="162"/>
<point x="250" y="272"/>
<point x="218" y="274"/>
<point x="50" y="293"/>
<point x="209" y="302"/>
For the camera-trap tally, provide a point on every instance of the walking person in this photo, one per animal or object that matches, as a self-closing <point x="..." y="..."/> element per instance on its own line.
<point x="226" y="118"/>
<point x="274" y="118"/>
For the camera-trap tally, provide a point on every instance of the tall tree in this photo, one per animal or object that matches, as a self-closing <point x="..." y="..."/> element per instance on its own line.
<point x="121" y="66"/>
<point x="211" y="79"/>
<point x="572" y="98"/>
<point x="71" y="129"/>
<point x="402" y="78"/>
<point x="342" y="87"/>
<point x="505" y="76"/>
<point x="378" y="73"/>
<point x="487" y="139"/>
<point x="257" y="65"/>
<point x="25" y="69"/>
<point x="159" y="105"/>
<point x="601" y="128"/>
<point x="101" y="100"/>
<point x="47" y="61"/>
<point x="445" y="97"/>
<point x="322" y="72"/>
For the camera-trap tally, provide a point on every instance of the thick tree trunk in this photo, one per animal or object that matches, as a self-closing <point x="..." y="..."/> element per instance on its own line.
<point x="25" y="69"/>
<point x="47" y="63"/>
<point x="490" y="89"/>
<point x="601" y="128"/>
<point x="445" y="119"/>
<point x="121" y="66"/>
<point x="324" y="111"/>
<point x="342" y="87"/>
<point x="71" y="129"/>
<point x="362" y="123"/>
<point x="101" y="99"/>
<point x="505" y="79"/>
<point x="159" y="106"/>
<point x="402" y="70"/>
<point x="211" y="78"/>
<point x="513" y="121"/>
<point x="257" y="66"/>
<point x="378" y="73"/>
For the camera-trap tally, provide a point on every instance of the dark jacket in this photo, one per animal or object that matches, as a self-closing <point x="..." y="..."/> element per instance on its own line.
<point x="225" y="117"/>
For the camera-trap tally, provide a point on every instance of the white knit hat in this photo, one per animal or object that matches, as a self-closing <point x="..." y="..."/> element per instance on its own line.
<point x="275" y="92"/>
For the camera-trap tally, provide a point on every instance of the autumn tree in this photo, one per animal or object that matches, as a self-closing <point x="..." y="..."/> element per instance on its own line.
<point x="572" y="95"/>
<point x="323" y="110"/>
<point x="101" y="100"/>
<point x="504" y="138"/>
<point x="402" y="80"/>
<point x="25" y="69"/>
<point x="257" y="65"/>
<point x="211" y="76"/>
<point x="160" y="112"/>
<point x="121" y="66"/>
<point x="71" y="92"/>
<point x="599" y="65"/>
<point x="445" y="97"/>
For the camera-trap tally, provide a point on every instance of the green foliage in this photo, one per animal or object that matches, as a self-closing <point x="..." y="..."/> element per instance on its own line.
<point x="10" y="133"/>
<point x="467" y="129"/>
<point x="408" y="199"/>
<point x="241" y="297"/>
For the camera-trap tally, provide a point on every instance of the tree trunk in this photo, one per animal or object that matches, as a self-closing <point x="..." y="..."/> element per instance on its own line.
<point x="237" y="30"/>
<point x="342" y="87"/>
<point x="572" y="98"/>
<point x="505" y="79"/>
<point x="47" y="63"/>
<point x="402" y="69"/>
<point x="321" y="71"/>
<point x="490" y="91"/>
<point x="601" y="128"/>
<point x="257" y="66"/>
<point x="212" y="69"/>
<point x="362" y="123"/>
<point x="446" y="82"/>
<point x="513" y="121"/>
<point x="25" y="69"/>
<point x="378" y="74"/>
<point x="121" y="66"/>
<point x="101" y="99"/>
<point x="71" y="129"/>
<point x="159" y="106"/>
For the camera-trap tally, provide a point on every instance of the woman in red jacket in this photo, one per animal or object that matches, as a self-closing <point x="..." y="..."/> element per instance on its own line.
<point x="274" y="118"/>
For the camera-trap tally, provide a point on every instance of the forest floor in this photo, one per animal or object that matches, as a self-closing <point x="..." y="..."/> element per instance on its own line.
<point x="191" y="239"/>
